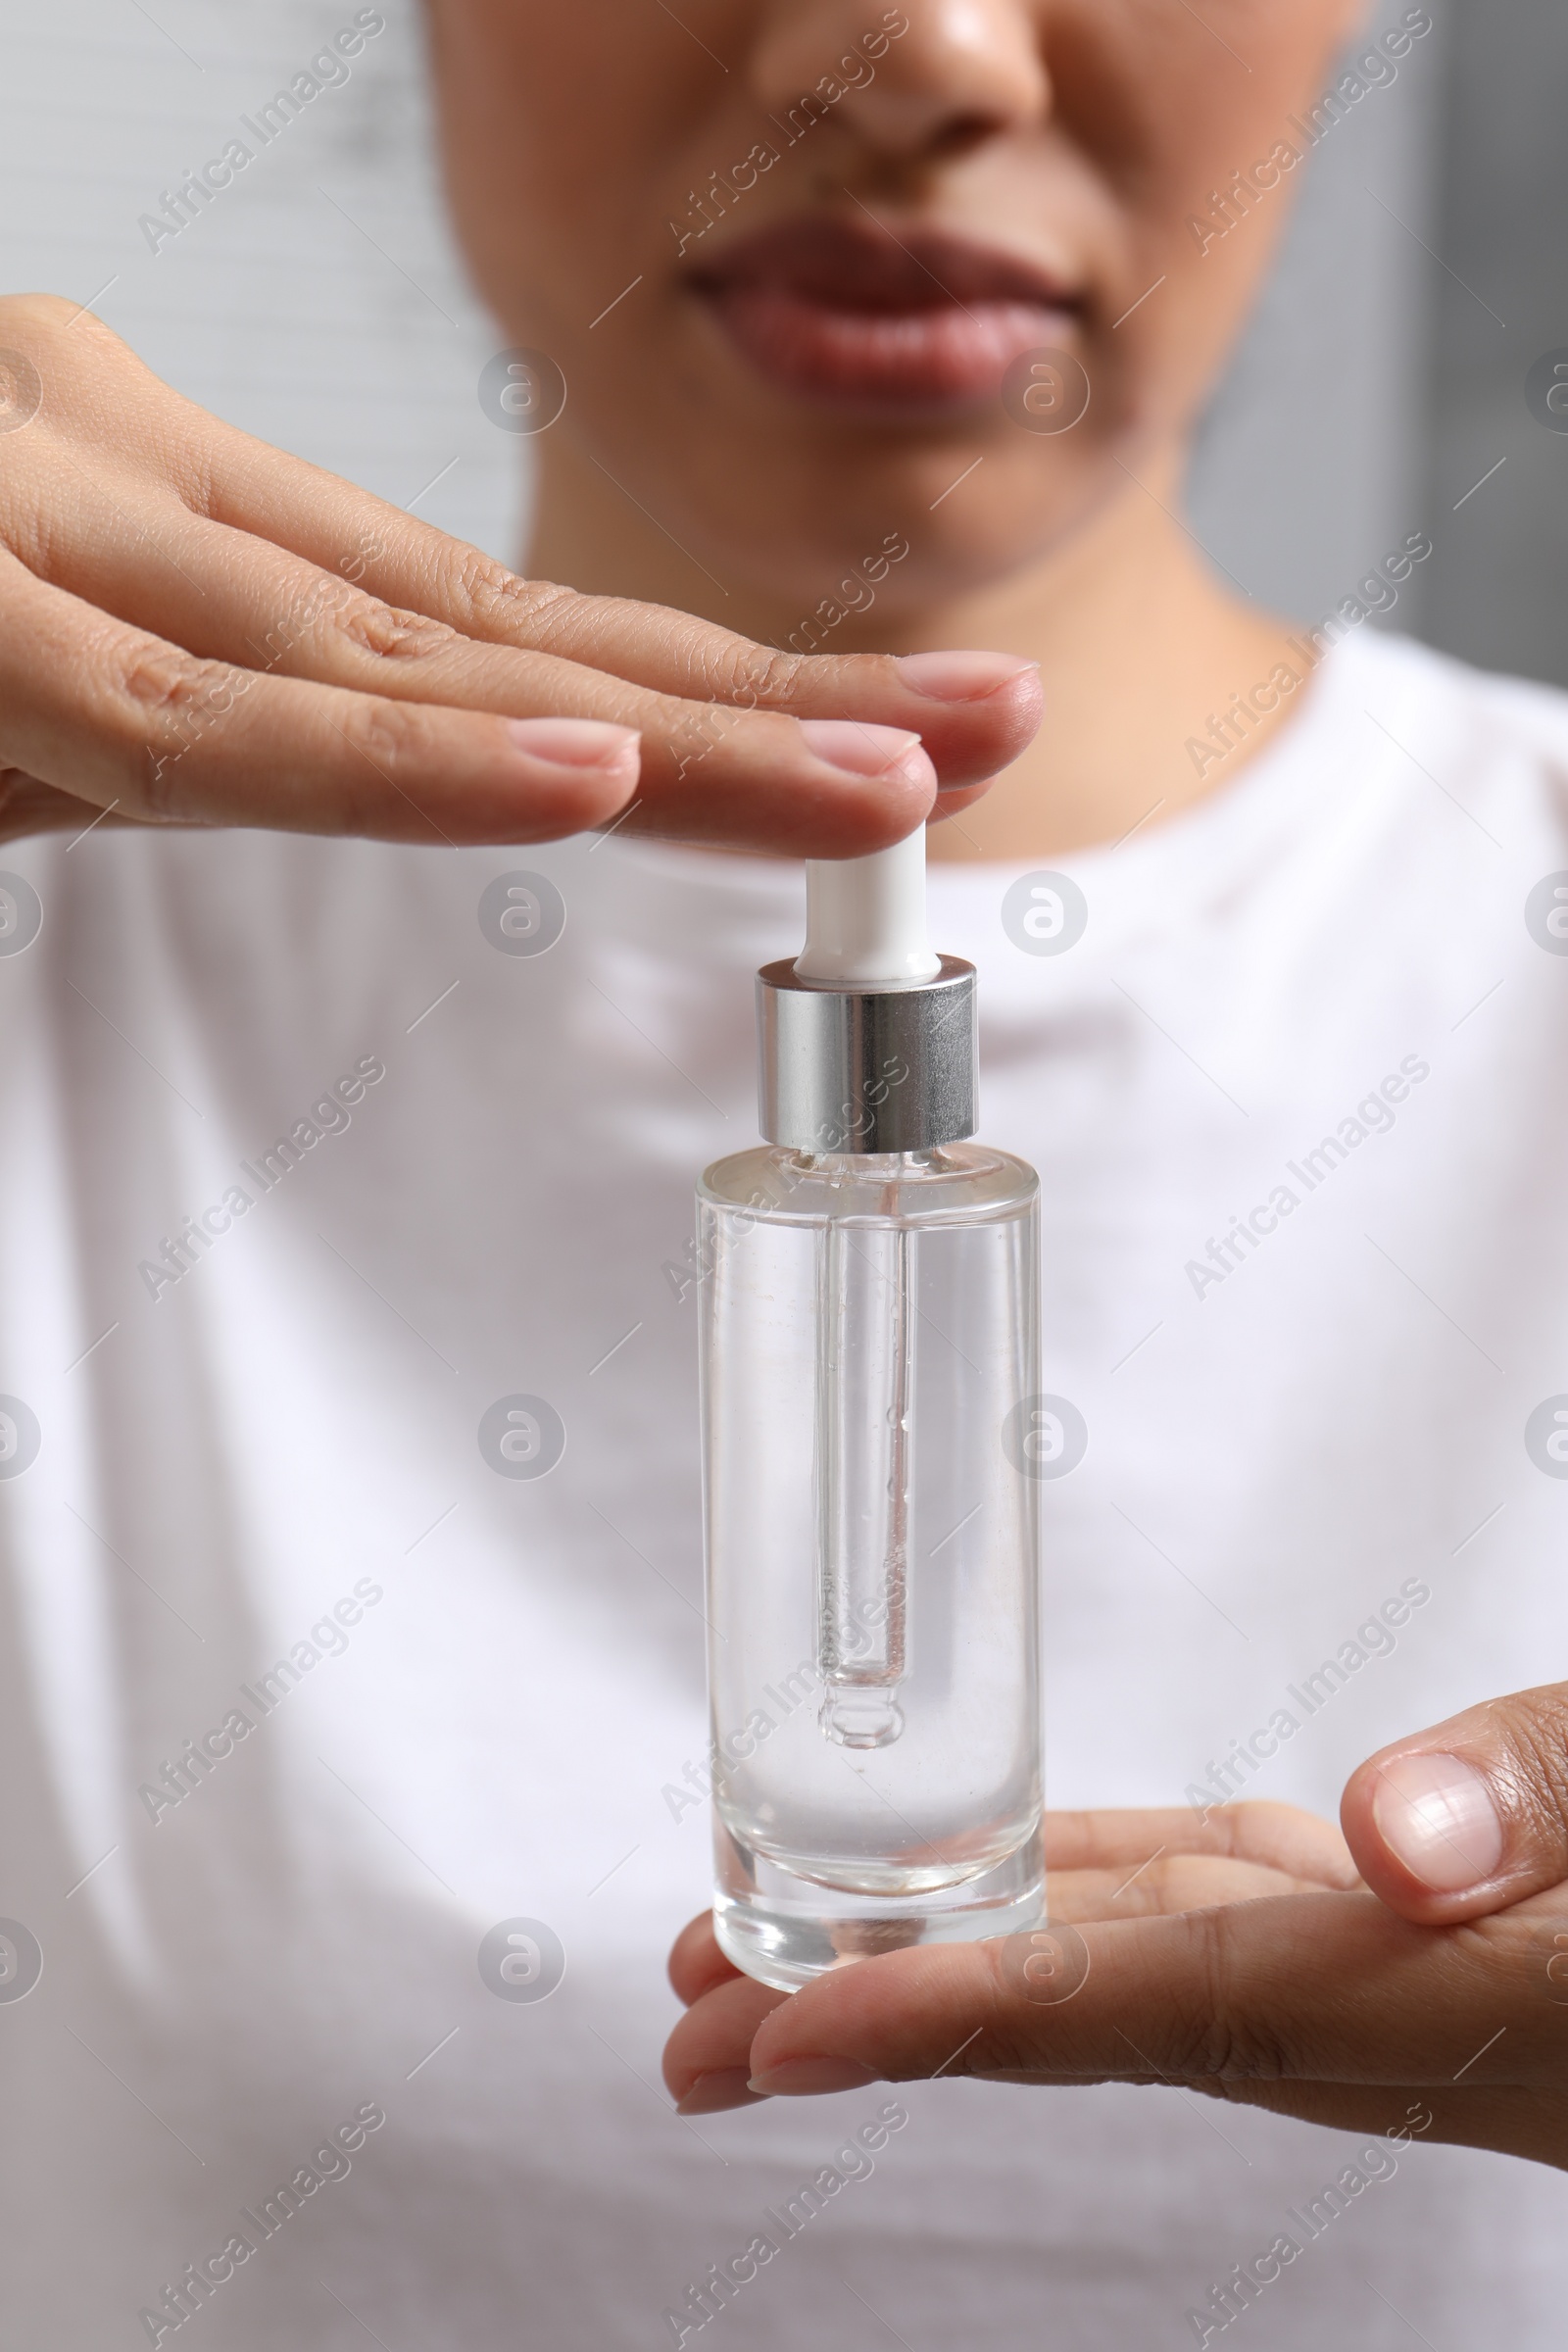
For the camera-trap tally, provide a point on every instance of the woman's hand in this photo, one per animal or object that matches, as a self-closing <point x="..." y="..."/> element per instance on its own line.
<point x="197" y="629"/>
<point x="1103" y="1866"/>
<point x="1440" y="1987"/>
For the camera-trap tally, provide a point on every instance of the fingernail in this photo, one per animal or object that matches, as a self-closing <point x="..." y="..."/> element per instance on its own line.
<point x="960" y="677"/>
<point x="1436" y="1815"/>
<point x="725" y="2086"/>
<point x="861" y="750"/>
<point x="573" y="742"/>
<point x="799" y="2078"/>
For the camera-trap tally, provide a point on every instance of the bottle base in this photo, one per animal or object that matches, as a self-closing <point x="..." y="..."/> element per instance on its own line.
<point x="785" y="1929"/>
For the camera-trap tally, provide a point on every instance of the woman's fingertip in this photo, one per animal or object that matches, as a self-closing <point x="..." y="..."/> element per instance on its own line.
<point x="575" y="743"/>
<point x="857" y="748"/>
<point x="962" y="677"/>
<point x="811" y="2077"/>
<point x="1437" y="1816"/>
<point x="711" y="2093"/>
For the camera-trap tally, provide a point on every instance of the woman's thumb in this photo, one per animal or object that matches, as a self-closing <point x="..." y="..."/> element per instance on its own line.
<point x="1469" y="1817"/>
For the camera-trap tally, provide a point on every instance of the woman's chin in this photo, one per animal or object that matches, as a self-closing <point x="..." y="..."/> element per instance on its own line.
<point x="842" y="565"/>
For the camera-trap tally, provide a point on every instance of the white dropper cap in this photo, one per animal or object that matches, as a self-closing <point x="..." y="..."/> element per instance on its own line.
<point x="865" y="919"/>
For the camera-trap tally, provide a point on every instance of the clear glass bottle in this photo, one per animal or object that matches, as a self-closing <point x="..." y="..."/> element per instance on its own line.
<point x="870" y="1336"/>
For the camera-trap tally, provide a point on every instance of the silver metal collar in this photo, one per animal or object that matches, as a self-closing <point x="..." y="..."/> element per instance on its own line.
<point x="851" y="1069"/>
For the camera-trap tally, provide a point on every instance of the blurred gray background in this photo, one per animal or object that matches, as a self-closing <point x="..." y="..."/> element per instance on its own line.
<point x="320" y="304"/>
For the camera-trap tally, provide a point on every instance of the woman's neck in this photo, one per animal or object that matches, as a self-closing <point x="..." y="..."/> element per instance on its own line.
<point x="1140" y="652"/>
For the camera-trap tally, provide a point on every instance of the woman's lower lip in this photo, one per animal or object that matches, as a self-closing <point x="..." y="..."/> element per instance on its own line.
<point x="954" y="356"/>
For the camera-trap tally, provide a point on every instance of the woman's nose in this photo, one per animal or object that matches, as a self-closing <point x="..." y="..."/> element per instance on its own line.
<point x="958" y="70"/>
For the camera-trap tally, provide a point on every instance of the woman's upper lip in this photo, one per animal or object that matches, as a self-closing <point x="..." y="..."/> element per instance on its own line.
<point x="854" y="265"/>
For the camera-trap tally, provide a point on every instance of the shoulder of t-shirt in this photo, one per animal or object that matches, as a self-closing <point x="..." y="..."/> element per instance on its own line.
<point x="1482" y="730"/>
<point x="1523" y="709"/>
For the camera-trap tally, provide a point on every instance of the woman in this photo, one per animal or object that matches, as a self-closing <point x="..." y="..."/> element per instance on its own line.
<point x="324" y="1166"/>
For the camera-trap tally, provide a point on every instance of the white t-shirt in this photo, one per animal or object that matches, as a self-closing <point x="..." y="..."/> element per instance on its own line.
<point x="1286" y="1433"/>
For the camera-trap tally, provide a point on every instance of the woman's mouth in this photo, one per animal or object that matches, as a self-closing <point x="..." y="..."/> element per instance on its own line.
<point x="851" y="314"/>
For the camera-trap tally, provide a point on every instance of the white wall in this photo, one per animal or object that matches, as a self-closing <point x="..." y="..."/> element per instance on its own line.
<point x="270" y="308"/>
<point x="1501" y="225"/>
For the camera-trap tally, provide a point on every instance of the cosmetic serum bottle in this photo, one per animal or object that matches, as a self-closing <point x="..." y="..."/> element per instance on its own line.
<point x="870" y="1336"/>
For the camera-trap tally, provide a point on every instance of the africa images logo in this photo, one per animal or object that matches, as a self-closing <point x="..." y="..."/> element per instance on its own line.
<point x="1547" y="1437"/>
